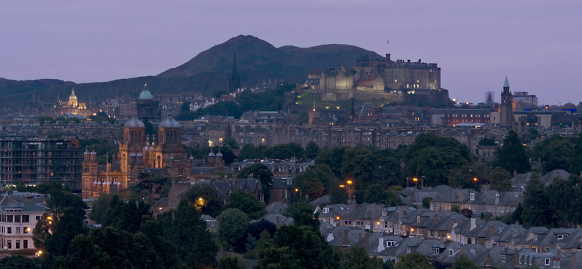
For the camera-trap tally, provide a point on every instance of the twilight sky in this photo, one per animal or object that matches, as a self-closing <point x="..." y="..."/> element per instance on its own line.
<point x="537" y="44"/>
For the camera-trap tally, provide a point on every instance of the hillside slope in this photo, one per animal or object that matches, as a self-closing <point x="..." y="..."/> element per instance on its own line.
<point x="206" y="73"/>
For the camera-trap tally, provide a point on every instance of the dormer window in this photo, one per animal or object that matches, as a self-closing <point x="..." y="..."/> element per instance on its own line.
<point x="325" y="210"/>
<point x="407" y="249"/>
<point x="417" y="218"/>
<point x="560" y="236"/>
<point x="384" y="213"/>
<point x="435" y="251"/>
<point x="450" y="253"/>
<point x="503" y="258"/>
<point x="535" y="237"/>
<point x="472" y="196"/>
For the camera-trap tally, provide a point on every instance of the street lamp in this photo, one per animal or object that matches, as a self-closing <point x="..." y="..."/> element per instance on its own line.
<point x="349" y="188"/>
<point x="415" y="180"/>
<point x="475" y="179"/>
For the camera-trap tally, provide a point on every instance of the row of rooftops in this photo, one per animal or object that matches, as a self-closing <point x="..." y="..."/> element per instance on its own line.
<point x="537" y="242"/>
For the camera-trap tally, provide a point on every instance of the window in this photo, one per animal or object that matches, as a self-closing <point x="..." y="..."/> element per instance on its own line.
<point x="37" y="217"/>
<point x="547" y="261"/>
<point x="8" y="230"/>
<point x="520" y="259"/>
<point x="9" y="218"/>
<point x="17" y="230"/>
<point x="450" y="253"/>
<point x="435" y="251"/>
<point x="472" y="196"/>
<point x="17" y="218"/>
<point x="9" y="244"/>
<point x="560" y="236"/>
<point x="17" y="244"/>
<point x="407" y="249"/>
<point x="417" y="218"/>
<point x="502" y="258"/>
<point x="390" y="243"/>
<point x="26" y="230"/>
<point x="556" y="264"/>
<point x="325" y="210"/>
<point x="24" y="243"/>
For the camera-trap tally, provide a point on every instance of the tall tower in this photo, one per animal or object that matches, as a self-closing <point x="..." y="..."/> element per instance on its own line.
<point x="234" y="80"/>
<point x="130" y="150"/>
<point x="506" y="111"/>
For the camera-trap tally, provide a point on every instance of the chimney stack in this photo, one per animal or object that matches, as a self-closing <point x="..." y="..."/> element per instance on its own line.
<point x="9" y="198"/>
<point x="515" y="257"/>
<point x="366" y="240"/>
<point x="460" y="196"/>
<point x="381" y="243"/>
<point x="28" y="198"/>
<point x="473" y="223"/>
<point x="346" y="242"/>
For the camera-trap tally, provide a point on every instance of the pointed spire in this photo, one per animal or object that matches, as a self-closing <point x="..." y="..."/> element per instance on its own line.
<point x="506" y="84"/>
<point x="234" y="81"/>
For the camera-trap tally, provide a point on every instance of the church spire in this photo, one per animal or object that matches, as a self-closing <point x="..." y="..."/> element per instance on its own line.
<point x="234" y="80"/>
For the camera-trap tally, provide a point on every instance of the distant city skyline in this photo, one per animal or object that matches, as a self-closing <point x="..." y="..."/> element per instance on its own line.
<point x="537" y="44"/>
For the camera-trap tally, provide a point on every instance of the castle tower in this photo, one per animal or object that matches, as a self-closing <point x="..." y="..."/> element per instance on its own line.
<point x="234" y="80"/>
<point x="506" y="109"/>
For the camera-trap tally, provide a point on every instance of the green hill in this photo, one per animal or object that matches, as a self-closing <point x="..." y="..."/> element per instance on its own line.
<point x="206" y="73"/>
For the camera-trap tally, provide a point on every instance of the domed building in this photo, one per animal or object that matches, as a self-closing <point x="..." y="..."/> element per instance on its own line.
<point x="73" y="106"/>
<point x="139" y="152"/>
<point x="147" y="108"/>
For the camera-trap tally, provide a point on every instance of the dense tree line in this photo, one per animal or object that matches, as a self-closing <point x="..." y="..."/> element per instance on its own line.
<point x="554" y="205"/>
<point x="269" y="100"/>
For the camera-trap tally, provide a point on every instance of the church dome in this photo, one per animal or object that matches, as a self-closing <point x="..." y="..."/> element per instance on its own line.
<point x="569" y="106"/>
<point x="211" y="154"/>
<point x="73" y="96"/>
<point x="134" y="123"/>
<point x="169" y="122"/>
<point x="219" y="154"/>
<point x="146" y="95"/>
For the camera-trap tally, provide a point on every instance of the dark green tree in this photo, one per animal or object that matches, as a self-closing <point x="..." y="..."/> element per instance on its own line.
<point x="576" y="158"/>
<point x="426" y="202"/>
<point x="464" y="262"/>
<point x="230" y="142"/>
<point x="231" y="262"/>
<point x="263" y="173"/>
<point x="358" y="258"/>
<point x="247" y="203"/>
<point x="536" y="210"/>
<point x="302" y="214"/>
<point x="68" y="227"/>
<point x="100" y="207"/>
<point x="212" y="204"/>
<point x="311" y="150"/>
<point x="333" y="158"/>
<point x="374" y="194"/>
<point x="414" y="260"/>
<point x="555" y="153"/>
<point x="500" y="179"/>
<point x="512" y="155"/>
<point x="232" y="229"/>
<point x="19" y="262"/>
